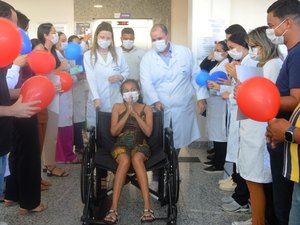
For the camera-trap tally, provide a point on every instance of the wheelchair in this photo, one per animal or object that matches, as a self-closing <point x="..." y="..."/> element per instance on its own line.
<point x="97" y="161"/>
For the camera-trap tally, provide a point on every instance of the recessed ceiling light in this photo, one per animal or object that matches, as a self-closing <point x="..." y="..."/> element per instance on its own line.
<point x="98" y="6"/>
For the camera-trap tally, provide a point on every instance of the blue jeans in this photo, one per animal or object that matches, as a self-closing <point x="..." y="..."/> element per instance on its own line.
<point x="294" y="213"/>
<point x="2" y="172"/>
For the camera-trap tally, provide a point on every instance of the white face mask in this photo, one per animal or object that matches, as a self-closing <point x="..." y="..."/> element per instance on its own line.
<point x="235" y="54"/>
<point x="64" y="45"/>
<point x="253" y="53"/>
<point x="218" y="56"/>
<point x="276" y="40"/>
<point x="159" y="45"/>
<point x="55" y="39"/>
<point x="128" y="44"/>
<point x="104" y="43"/>
<point x="133" y="94"/>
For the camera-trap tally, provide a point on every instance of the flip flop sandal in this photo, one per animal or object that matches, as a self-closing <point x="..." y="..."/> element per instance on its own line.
<point x="50" y="172"/>
<point x="109" y="219"/>
<point x="148" y="216"/>
<point x="40" y="208"/>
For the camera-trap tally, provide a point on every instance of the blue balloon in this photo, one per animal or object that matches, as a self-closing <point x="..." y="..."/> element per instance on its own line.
<point x="216" y="75"/>
<point x="26" y="43"/>
<point x="202" y="78"/>
<point x="73" y="51"/>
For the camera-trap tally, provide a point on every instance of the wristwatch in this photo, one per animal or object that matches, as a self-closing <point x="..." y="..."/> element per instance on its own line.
<point x="289" y="134"/>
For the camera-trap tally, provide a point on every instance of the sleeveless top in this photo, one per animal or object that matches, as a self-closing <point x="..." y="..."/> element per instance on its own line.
<point x="131" y="135"/>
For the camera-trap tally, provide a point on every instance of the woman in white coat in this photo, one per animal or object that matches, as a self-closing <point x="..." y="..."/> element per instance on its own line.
<point x="216" y="112"/>
<point x="239" y="53"/>
<point x="105" y="70"/>
<point x="253" y="158"/>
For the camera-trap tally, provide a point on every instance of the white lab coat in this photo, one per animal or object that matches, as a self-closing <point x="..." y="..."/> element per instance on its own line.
<point x="133" y="59"/>
<point x="216" y="111"/>
<point x="100" y="88"/>
<point x="253" y="159"/>
<point x="233" y="125"/>
<point x="65" y="102"/>
<point x="174" y="86"/>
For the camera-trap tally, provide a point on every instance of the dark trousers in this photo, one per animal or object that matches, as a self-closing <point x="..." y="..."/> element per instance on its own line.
<point x="270" y="213"/>
<point x="78" y="139"/>
<point x="282" y="187"/>
<point x="24" y="183"/>
<point x="241" y="193"/>
<point x="220" y="154"/>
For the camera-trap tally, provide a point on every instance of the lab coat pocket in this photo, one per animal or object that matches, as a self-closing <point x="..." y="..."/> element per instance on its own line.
<point x="184" y="69"/>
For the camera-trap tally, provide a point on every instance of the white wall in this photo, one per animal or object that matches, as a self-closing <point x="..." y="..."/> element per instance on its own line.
<point x="249" y="13"/>
<point x="60" y="12"/>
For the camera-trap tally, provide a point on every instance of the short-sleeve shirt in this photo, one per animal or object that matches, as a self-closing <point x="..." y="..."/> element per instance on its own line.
<point x="289" y="76"/>
<point x="292" y="152"/>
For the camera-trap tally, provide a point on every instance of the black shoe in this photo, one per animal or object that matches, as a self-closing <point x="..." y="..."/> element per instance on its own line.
<point x="208" y="163"/>
<point x="212" y="169"/>
<point x="211" y="156"/>
<point x="211" y="151"/>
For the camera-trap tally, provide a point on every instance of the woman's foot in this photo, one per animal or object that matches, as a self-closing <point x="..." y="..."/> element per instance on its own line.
<point x="111" y="217"/>
<point x="148" y="216"/>
<point x="77" y="160"/>
<point x="56" y="171"/>
<point x="45" y="182"/>
<point x="40" y="208"/>
<point x="9" y="203"/>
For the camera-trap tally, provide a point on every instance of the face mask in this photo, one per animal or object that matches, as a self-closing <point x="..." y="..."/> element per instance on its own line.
<point x="159" y="45"/>
<point x="128" y="44"/>
<point x="235" y="54"/>
<point x="55" y="39"/>
<point x="64" y="45"/>
<point x="253" y="53"/>
<point x="133" y="94"/>
<point x="104" y="43"/>
<point x="277" y="40"/>
<point x="218" y="56"/>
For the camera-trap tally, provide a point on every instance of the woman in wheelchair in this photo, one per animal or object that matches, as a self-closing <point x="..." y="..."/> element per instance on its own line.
<point x="132" y="124"/>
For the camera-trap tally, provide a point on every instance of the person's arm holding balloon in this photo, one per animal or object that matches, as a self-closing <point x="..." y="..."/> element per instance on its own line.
<point x="19" y="109"/>
<point x="13" y="73"/>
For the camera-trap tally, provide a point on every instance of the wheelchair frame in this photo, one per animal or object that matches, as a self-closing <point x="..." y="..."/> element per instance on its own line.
<point x="168" y="179"/>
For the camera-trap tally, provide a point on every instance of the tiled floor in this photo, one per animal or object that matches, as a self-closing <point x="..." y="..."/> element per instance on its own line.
<point x="199" y="200"/>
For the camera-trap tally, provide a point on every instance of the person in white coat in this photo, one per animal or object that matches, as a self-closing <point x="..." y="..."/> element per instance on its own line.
<point x="239" y="53"/>
<point x="253" y="146"/>
<point x="65" y="138"/>
<point x="105" y="68"/>
<point x="167" y="75"/>
<point x="132" y="54"/>
<point x="216" y="112"/>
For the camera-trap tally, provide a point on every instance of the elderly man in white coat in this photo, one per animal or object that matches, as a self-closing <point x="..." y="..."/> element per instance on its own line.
<point x="167" y="74"/>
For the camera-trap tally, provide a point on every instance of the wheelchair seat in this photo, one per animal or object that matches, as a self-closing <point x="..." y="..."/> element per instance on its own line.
<point x="105" y="143"/>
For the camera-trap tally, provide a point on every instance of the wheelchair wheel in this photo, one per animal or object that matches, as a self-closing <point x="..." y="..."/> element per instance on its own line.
<point x="84" y="177"/>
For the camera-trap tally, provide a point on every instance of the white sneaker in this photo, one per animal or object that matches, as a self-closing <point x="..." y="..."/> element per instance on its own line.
<point x="234" y="207"/>
<point x="227" y="199"/>
<point x="247" y="222"/>
<point x="225" y="180"/>
<point x="229" y="185"/>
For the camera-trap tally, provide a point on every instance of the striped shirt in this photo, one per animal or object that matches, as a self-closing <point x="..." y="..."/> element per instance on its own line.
<point x="292" y="152"/>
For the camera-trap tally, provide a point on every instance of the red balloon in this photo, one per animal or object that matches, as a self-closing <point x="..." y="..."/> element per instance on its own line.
<point x="41" y="62"/>
<point x="10" y="42"/>
<point x="66" y="80"/>
<point x="38" y="88"/>
<point x="258" y="98"/>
